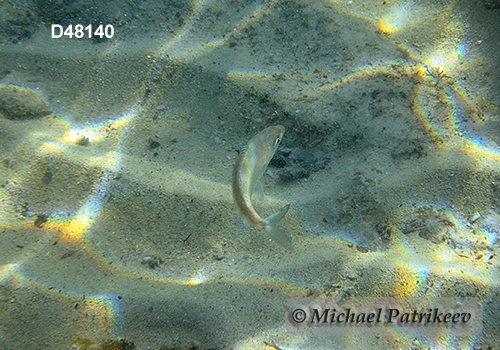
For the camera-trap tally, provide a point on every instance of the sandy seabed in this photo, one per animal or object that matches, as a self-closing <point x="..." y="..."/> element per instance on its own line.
<point x="117" y="227"/>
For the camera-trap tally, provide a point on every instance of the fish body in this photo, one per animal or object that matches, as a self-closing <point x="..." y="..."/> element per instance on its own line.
<point x="249" y="167"/>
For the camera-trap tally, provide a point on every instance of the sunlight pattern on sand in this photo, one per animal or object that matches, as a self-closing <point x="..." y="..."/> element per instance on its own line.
<point x="107" y="230"/>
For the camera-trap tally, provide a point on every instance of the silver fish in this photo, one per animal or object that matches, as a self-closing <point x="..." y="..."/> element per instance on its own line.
<point x="249" y="168"/>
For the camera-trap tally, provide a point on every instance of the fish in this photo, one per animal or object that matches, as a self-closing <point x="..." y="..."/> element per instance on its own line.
<point x="249" y="167"/>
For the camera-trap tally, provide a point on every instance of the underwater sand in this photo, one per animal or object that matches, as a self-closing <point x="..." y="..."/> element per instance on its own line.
<point x="117" y="226"/>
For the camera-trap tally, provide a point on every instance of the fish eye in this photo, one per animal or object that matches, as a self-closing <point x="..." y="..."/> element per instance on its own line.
<point x="277" y="141"/>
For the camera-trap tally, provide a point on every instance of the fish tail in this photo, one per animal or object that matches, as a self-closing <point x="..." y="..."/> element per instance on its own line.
<point x="277" y="234"/>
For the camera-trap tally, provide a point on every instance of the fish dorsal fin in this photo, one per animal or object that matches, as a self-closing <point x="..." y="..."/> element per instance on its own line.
<point x="277" y="234"/>
<point x="258" y="191"/>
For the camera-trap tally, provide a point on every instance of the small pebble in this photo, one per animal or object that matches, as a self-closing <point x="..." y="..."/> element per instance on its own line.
<point x="150" y="262"/>
<point x="19" y="103"/>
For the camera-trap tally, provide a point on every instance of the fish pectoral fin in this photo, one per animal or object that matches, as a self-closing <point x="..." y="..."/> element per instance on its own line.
<point x="277" y="234"/>
<point x="258" y="192"/>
